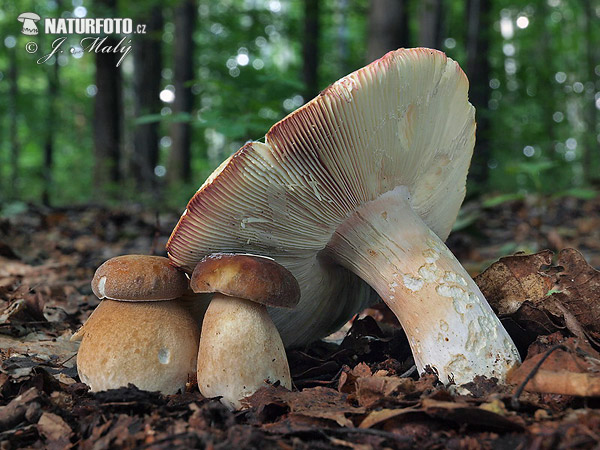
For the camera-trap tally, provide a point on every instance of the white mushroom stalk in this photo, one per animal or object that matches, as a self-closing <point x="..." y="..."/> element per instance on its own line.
<point x="240" y="351"/>
<point x="356" y="191"/>
<point x="450" y="325"/>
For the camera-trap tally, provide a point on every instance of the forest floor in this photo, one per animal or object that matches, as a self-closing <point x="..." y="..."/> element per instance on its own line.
<point x="360" y="393"/>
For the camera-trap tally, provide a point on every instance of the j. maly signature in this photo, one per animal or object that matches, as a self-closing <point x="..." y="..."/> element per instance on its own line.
<point x="90" y="45"/>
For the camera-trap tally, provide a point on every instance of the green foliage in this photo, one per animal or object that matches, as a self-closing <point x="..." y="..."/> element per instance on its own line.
<point x="248" y="66"/>
<point x="540" y="87"/>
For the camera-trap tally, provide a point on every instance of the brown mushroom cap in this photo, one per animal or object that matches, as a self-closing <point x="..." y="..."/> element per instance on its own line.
<point x="137" y="278"/>
<point x="249" y="277"/>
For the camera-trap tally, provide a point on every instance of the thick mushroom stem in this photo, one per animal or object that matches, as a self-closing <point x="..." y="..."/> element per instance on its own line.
<point x="449" y="324"/>
<point x="240" y="351"/>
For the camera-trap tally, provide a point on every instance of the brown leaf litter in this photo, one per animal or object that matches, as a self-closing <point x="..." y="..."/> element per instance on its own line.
<point x="356" y="394"/>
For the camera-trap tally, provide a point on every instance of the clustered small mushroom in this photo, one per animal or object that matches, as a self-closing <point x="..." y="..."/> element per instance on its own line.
<point x="146" y="330"/>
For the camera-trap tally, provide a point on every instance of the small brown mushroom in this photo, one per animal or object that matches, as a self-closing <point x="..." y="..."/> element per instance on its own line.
<point x="241" y="350"/>
<point x="143" y="333"/>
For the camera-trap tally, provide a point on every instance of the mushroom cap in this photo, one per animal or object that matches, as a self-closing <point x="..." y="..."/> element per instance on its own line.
<point x="249" y="277"/>
<point x="28" y="15"/>
<point x="403" y="120"/>
<point x="137" y="278"/>
<point x="153" y="345"/>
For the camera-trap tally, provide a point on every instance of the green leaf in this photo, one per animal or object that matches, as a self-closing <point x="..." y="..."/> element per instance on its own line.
<point x="500" y="199"/>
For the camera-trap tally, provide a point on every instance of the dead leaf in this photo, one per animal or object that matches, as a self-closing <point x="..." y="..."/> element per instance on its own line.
<point x="470" y="415"/>
<point x="578" y="289"/>
<point x="60" y="350"/>
<point x="512" y="280"/>
<point x="459" y="413"/>
<point x="543" y="298"/>
<point x="348" y="377"/>
<point x="370" y="390"/>
<point x="15" y="411"/>
<point x="383" y="415"/>
<point x="319" y="402"/>
<point x="574" y="371"/>
<point x="54" y="428"/>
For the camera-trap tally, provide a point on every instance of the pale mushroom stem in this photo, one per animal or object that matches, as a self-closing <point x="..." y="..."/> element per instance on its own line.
<point x="449" y="324"/>
<point x="240" y="351"/>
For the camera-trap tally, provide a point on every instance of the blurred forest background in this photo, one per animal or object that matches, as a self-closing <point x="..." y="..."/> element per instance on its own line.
<point x="207" y="76"/>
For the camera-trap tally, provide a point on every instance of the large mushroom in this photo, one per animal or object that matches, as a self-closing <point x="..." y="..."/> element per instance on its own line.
<point x="357" y="188"/>
<point x="143" y="331"/>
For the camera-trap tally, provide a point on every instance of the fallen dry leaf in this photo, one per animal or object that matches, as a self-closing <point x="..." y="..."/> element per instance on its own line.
<point x="457" y="412"/>
<point x="544" y="298"/>
<point x="512" y="280"/>
<point x="54" y="428"/>
<point x="15" y="411"/>
<point x="368" y="389"/>
<point x="578" y="290"/>
<point x="382" y="415"/>
<point x="571" y="367"/>
<point x="318" y="402"/>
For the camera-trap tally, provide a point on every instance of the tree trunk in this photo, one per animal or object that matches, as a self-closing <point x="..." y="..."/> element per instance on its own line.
<point x="180" y="154"/>
<point x="545" y="70"/>
<point x="431" y="23"/>
<point x="13" y="108"/>
<point x="590" y="113"/>
<point x="343" y="32"/>
<point x="146" y="80"/>
<point x="388" y="27"/>
<point x="310" y="49"/>
<point x="51" y="126"/>
<point x="478" y="71"/>
<point x="53" y="86"/>
<point x="107" y="114"/>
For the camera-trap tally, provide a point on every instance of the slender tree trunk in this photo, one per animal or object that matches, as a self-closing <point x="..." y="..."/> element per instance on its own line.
<point x="388" y="27"/>
<point x="541" y="61"/>
<point x="107" y="114"/>
<point x="51" y="125"/>
<point x="431" y="23"/>
<point x="310" y="49"/>
<point x="53" y="87"/>
<point x="590" y="144"/>
<point x="146" y="80"/>
<point x="180" y="154"/>
<point x="13" y="108"/>
<point x="478" y="71"/>
<point x="342" y="35"/>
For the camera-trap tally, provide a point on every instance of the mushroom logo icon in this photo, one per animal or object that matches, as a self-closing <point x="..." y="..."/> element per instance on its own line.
<point x="29" y="19"/>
